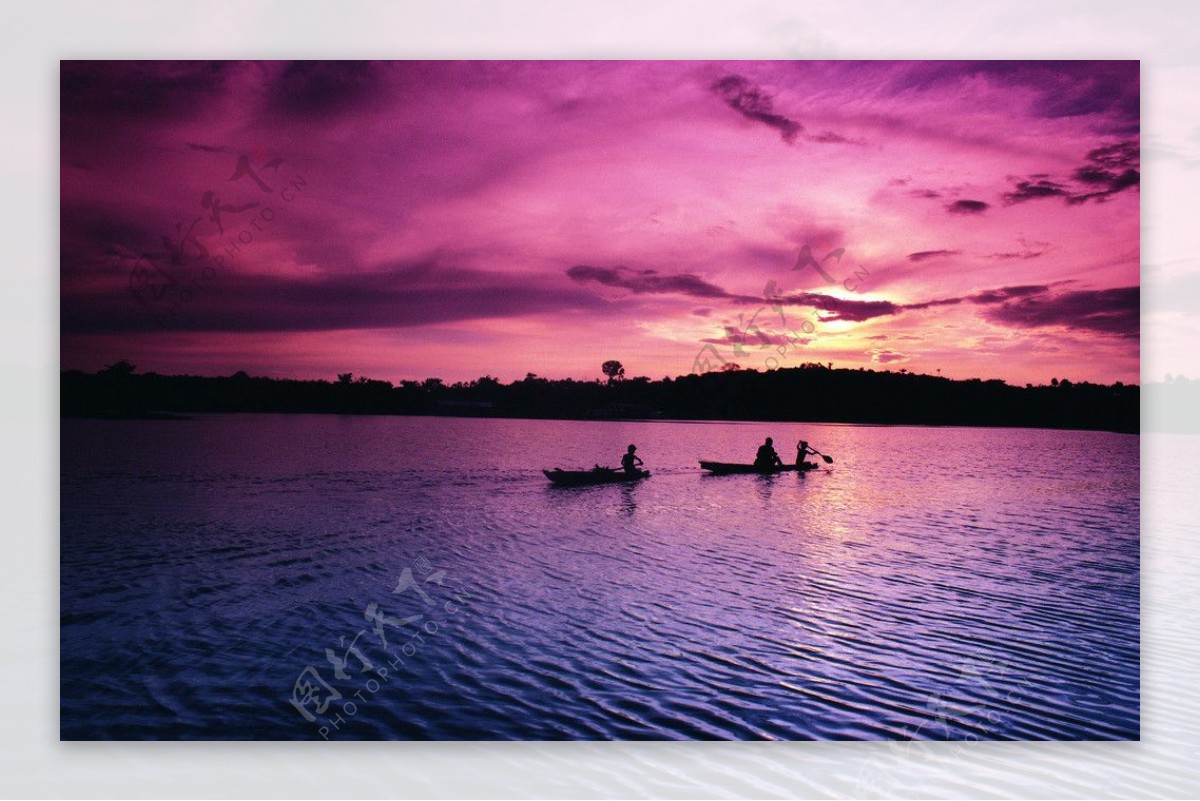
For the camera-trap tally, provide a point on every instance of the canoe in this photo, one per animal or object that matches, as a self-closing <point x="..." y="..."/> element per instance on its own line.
<point x="580" y="478"/>
<point x="723" y="468"/>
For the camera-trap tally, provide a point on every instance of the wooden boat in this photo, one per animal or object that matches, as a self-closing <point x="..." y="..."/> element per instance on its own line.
<point x="600" y="475"/>
<point x="724" y="468"/>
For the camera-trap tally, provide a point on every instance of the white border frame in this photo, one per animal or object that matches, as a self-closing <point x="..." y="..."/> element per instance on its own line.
<point x="1164" y="35"/>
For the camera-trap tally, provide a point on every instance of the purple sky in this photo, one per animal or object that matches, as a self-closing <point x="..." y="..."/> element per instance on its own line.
<point x="414" y="219"/>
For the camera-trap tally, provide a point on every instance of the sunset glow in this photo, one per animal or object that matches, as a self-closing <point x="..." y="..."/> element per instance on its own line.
<point x="412" y="219"/>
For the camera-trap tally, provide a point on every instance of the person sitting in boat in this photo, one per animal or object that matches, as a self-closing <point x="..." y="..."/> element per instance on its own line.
<point x="803" y="450"/>
<point x="767" y="457"/>
<point x="630" y="460"/>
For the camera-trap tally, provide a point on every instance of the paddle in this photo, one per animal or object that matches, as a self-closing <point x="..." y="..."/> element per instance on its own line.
<point x="828" y="459"/>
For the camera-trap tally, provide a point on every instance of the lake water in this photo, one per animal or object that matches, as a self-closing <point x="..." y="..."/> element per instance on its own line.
<point x="310" y="577"/>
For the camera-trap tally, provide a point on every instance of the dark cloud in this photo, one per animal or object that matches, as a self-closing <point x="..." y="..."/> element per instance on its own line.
<point x="644" y="282"/>
<point x="94" y="237"/>
<point x="1033" y="190"/>
<point x="1111" y="88"/>
<point x="1119" y="156"/>
<point x="1111" y="183"/>
<point x="930" y="304"/>
<point x="132" y="90"/>
<point x="1007" y="293"/>
<point x="831" y="138"/>
<point x="1106" y="91"/>
<point x="399" y="296"/>
<point x="1093" y="175"/>
<point x="967" y="207"/>
<point x="927" y="194"/>
<point x="1113" y="311"/>
<point x="753" y="103"/>
<point x="932" y="254"/>
<point x="307" y="88"/>
<point x="1108" y="311"/>
<point x="1109" y="169"/>
<point x="855" y="311"/>
<point x="1028" y="253"/>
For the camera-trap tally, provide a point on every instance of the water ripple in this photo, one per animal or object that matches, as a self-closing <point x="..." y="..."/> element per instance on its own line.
<point x="879" y="599"/>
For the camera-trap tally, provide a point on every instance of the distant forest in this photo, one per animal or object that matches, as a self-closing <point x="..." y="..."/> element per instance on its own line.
<point x="808" y="393"/>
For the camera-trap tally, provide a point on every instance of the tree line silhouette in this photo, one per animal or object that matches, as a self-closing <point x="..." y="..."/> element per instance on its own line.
<point x="808" y="393"/>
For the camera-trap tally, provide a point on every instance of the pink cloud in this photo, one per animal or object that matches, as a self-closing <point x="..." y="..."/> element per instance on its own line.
<point x="458" y="216"/>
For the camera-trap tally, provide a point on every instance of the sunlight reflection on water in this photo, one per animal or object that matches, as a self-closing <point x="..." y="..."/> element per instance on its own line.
<point x="936" y="583"/>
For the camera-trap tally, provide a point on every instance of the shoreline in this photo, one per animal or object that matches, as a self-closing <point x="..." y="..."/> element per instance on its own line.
<point x="163" y="416"/>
